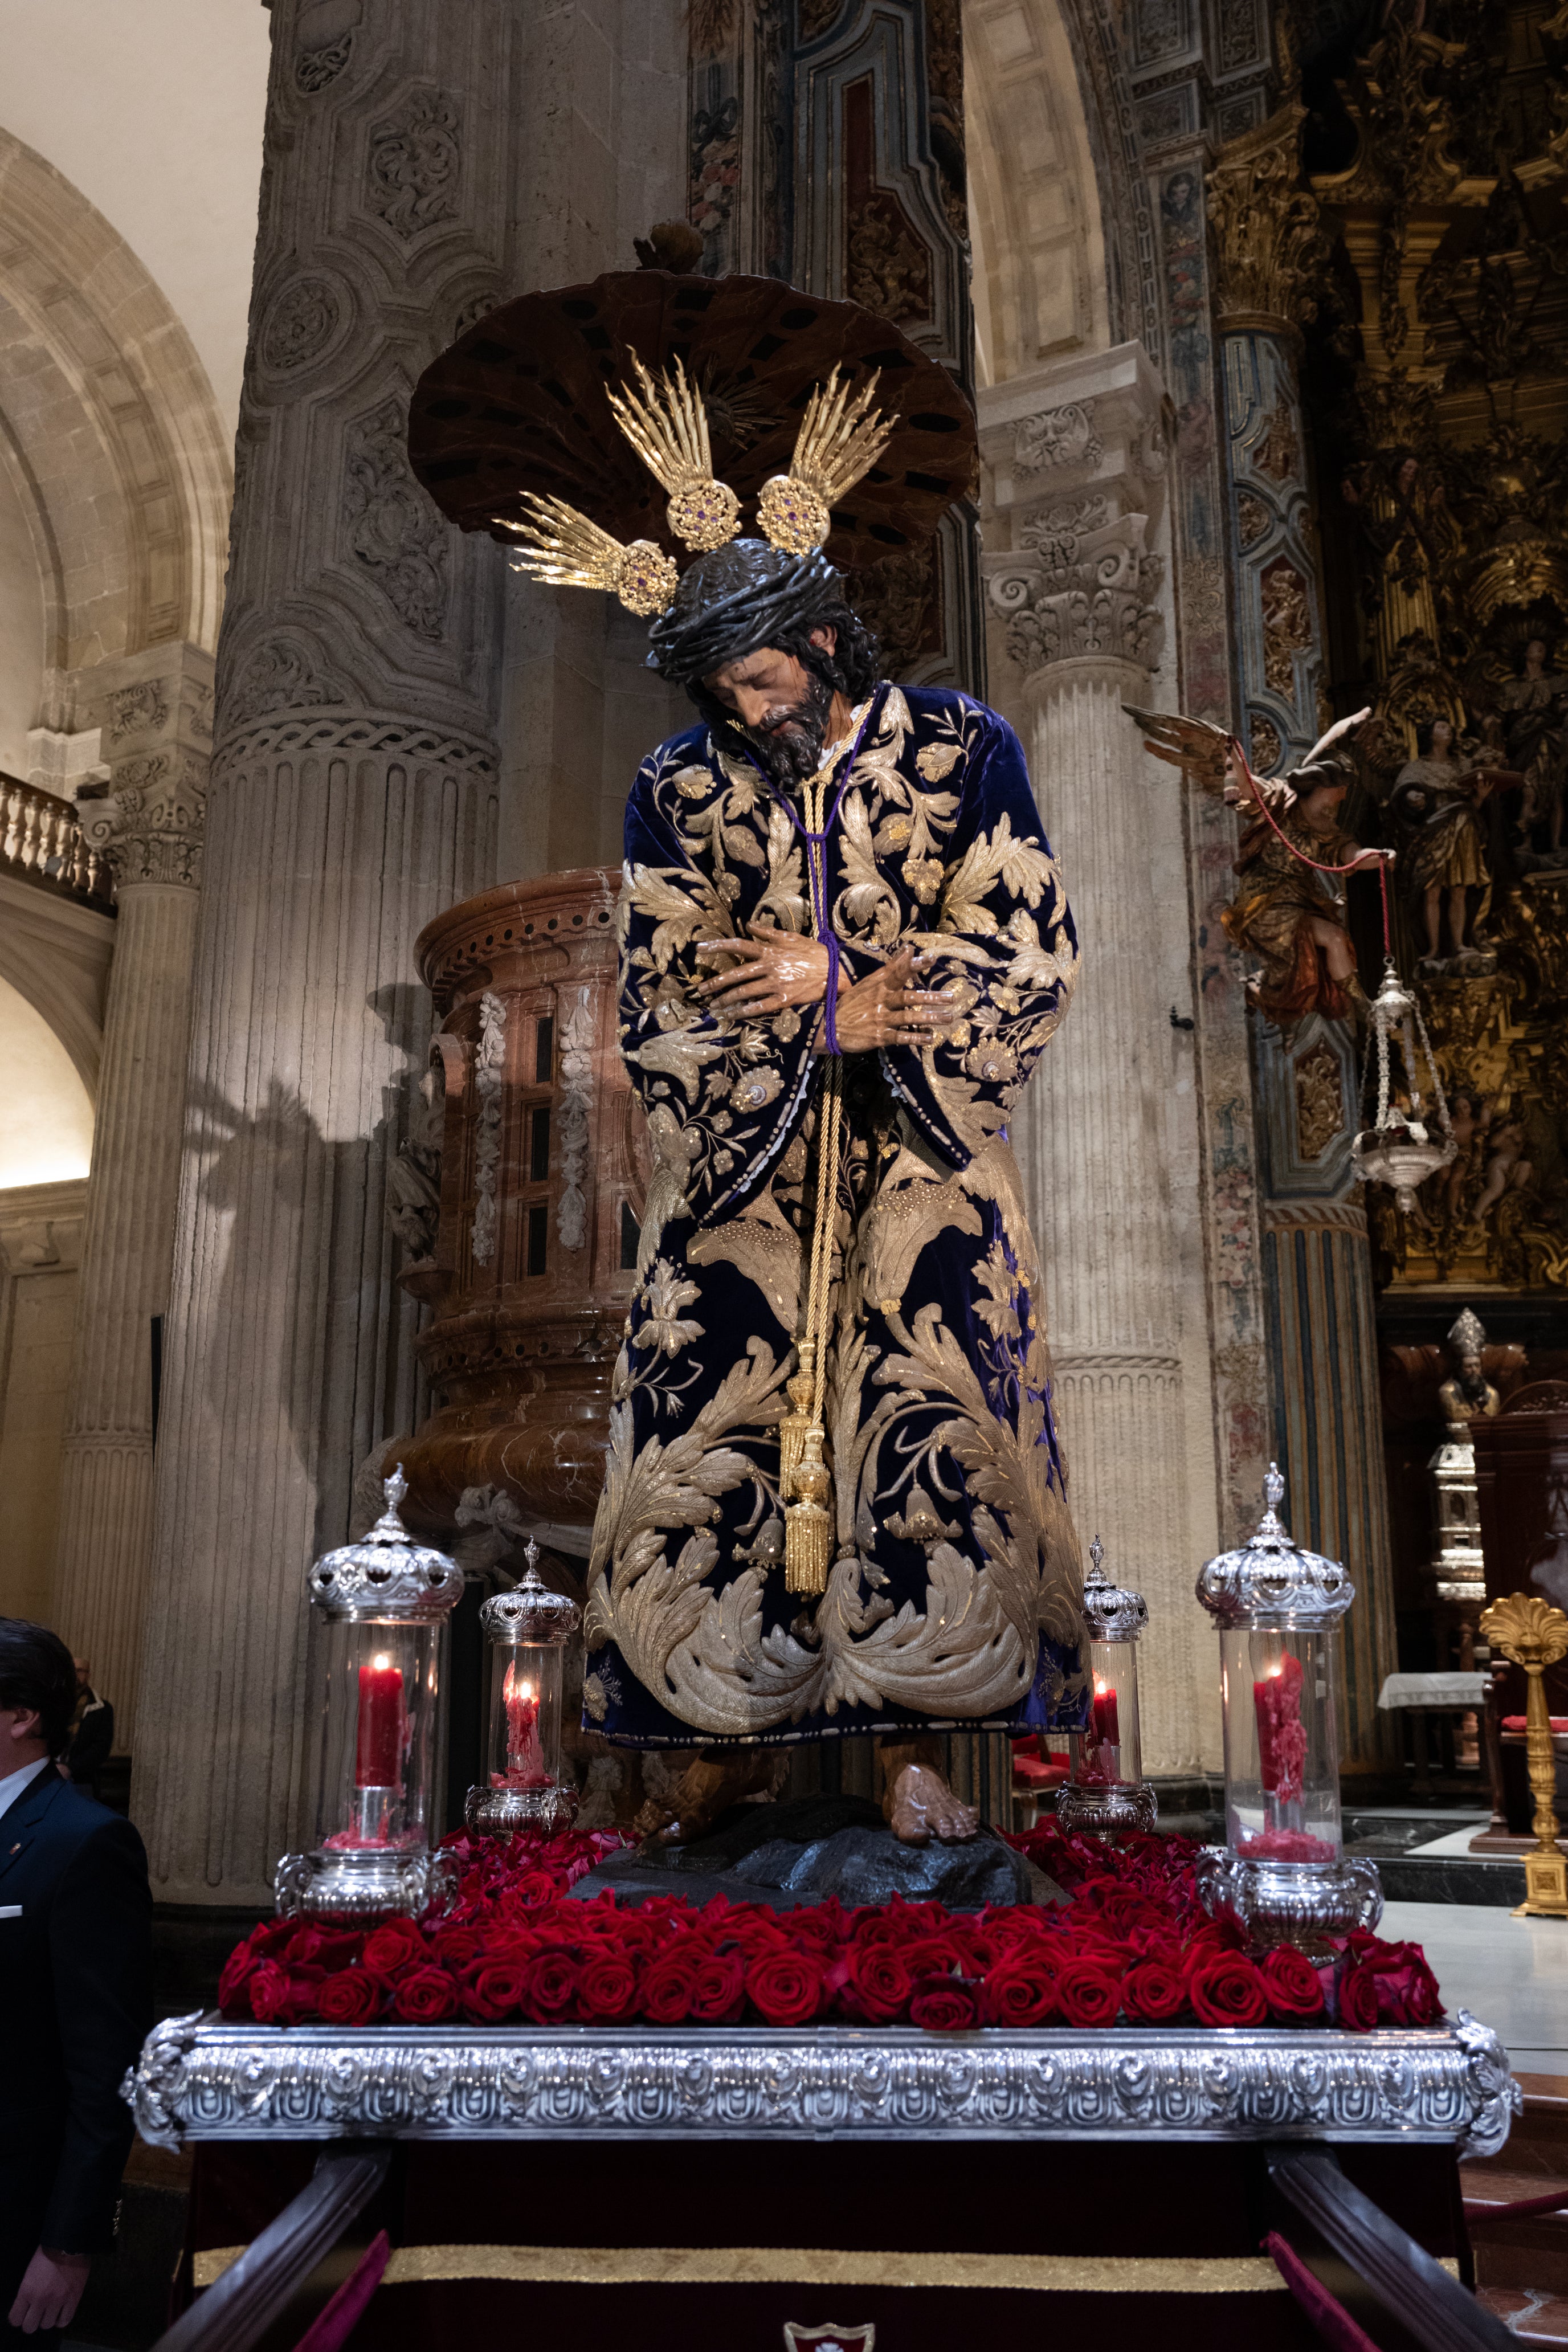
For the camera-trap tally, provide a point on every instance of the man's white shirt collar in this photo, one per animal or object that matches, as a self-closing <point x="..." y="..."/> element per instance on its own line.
<point x="12" y="1786"/>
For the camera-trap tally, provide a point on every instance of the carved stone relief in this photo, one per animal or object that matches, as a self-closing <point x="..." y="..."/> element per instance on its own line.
<point x="393" y="530"/>
<point x="314" y="70"/>
<point x="138" y="709"/>
<point x="1058" y="437"/>
<point x="1320" y="1101"/>
<point x="488" y="1065"/>
<point x="299" y="324"/>
<point x="280" y="675"/>
<point x="416" y="163"/>
<point x="1286" y="625"/>
<point x="149" y="823"/>
<point x="1075" y="594"/>
<point x="577" y="1039"/>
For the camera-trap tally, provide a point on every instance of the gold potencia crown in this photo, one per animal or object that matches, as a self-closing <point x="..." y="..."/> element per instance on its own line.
<point x="841" y="437"/>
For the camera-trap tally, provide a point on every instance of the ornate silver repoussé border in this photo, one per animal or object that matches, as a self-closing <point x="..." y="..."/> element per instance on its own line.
<point x="199" y="2078"/>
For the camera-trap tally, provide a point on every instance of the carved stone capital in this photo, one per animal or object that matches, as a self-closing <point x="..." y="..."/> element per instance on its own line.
<point x="1270" y="250"/>
<point x="1072" y="593"/>
<point x="148" y="820"/>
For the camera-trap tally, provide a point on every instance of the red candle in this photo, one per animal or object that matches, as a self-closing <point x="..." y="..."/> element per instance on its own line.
<point x="1281" y="1733"/>
<point x="1106" y="1727"/>
<point x="524" y="1762"/>
<point x="378" y="1747"/>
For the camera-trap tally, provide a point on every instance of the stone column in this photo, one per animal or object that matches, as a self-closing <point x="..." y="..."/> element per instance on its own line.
<point x="1078" y="480"/>
<point x="1270" y="254"/>
<point x="352" y="798"/>
<point x="155" y="718"/>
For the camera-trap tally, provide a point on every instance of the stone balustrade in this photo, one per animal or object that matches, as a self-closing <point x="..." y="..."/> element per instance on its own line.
<point x="41" y="840"/>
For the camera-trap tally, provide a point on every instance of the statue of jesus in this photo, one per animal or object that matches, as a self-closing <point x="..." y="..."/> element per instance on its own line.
<point x="835" y="1500"/>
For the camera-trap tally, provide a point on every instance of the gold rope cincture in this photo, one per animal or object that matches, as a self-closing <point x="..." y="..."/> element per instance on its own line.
<point x="805" y="1481"/>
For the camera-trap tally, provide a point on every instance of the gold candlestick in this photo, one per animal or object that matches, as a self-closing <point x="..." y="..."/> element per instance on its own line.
<point x="1534" y="1634"/>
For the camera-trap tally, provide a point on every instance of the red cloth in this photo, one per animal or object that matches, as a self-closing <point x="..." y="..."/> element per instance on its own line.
<point x="1331" y="2320"/>
<point x="1516" y="1722"/>
<point x="336" y="2322"/>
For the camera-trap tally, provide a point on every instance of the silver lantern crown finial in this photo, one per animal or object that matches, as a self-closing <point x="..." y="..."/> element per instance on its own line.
<point x="1271" y="1581"/>
<point x="386" y="1573"/>
<point x="1114" y="1613"/>
<point x="531" y="1611"/>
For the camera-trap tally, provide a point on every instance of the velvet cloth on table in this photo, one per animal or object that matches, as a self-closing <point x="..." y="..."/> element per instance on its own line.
<point x="955" y="1598"/>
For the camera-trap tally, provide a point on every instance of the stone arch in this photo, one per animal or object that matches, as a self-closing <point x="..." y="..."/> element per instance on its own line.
<point x="111" y="429"/>
<point x="1059" y="212"/>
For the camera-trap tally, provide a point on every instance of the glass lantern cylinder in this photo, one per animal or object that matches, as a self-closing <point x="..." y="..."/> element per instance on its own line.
<point x="526" y="1629"/>
<point x="384" y="1604"/>
<point x="1281" y="1873"/>
<point x="1105" y="1790"/>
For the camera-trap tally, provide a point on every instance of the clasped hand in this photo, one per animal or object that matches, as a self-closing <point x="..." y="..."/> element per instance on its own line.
<point x="780" y="969"/>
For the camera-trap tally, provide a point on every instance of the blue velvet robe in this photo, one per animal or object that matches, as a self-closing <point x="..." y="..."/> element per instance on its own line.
<point x="955" y="1600"/>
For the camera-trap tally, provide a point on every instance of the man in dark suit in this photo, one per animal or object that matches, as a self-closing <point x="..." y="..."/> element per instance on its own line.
<point x="91" y="1731"/>
<point x="76" y="1917"/>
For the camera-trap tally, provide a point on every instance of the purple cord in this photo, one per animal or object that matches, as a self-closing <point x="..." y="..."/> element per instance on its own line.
<point x="824" y="930"/>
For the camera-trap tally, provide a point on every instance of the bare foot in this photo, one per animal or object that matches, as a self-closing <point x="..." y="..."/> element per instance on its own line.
<point x="708" y="1786"/>
<point x="924" y="1807"/>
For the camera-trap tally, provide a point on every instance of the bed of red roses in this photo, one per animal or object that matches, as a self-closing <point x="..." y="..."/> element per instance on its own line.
<point x="515" y="1948"/>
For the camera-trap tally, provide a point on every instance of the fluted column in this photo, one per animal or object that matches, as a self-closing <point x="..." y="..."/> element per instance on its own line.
<point x="1270" y="257"/>
<point x="352" y="798"/>
<point x="1079" y="475"/>
<point x="148" y="820"/>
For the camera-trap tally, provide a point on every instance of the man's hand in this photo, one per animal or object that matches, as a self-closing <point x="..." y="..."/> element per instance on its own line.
<point x="50" y="2291"/>
<point x="779" y="969"/>
<point x="1371" y="858"/>
<point x="886" y="1009"/>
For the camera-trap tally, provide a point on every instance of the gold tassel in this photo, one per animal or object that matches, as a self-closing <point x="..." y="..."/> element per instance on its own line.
<point x="809" y="1523"/>
<point x="793" y="1426"/>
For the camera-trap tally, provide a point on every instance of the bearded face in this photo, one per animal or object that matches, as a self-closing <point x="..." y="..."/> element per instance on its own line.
<point x="788" y="739"/>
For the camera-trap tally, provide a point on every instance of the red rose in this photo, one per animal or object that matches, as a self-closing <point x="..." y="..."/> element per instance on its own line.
<point x="269" y="1991"/>
<point x="1153" y="1991"/>
<point x="668" y="1983"/>
<point x="1089" y="1993"/>
<point x="718" y="1993"/>
<point x="550" y="1985"/>
<point x="233" y="1996"/>
<point x="785" y="1987"/>
<point x="607" y="1987"/>
<point x="1225" y="1988"/>
<point x="494" y="1988"/>
<point x="876" y="1982"/>
<point x="943" y="2005"/>
<point x="935" y="1955"/>
<point x="395" y="1944"/>
<point x="1291" y="1983"/>
<point x="456" y="1947"/>
<point x="1358" y="1999"/>
<point x="424" y="1996"/>
<point x="536" y="1888"/>
<point x="273" y="1936"/>
<point x="1021" y="1991"/>
<point x="351" y="1997"/>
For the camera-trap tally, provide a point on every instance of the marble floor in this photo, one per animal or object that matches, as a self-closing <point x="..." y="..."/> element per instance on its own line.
<point x="1512" y="1973"/>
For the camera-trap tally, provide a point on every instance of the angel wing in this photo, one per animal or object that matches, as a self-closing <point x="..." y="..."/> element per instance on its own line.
<point x="1195" y="745"/>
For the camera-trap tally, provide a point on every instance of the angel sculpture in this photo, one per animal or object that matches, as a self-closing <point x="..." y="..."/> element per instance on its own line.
<point x="1291" y="907"/>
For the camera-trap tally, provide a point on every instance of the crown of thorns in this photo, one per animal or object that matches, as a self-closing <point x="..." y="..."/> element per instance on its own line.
<point x="840" y="439"/>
